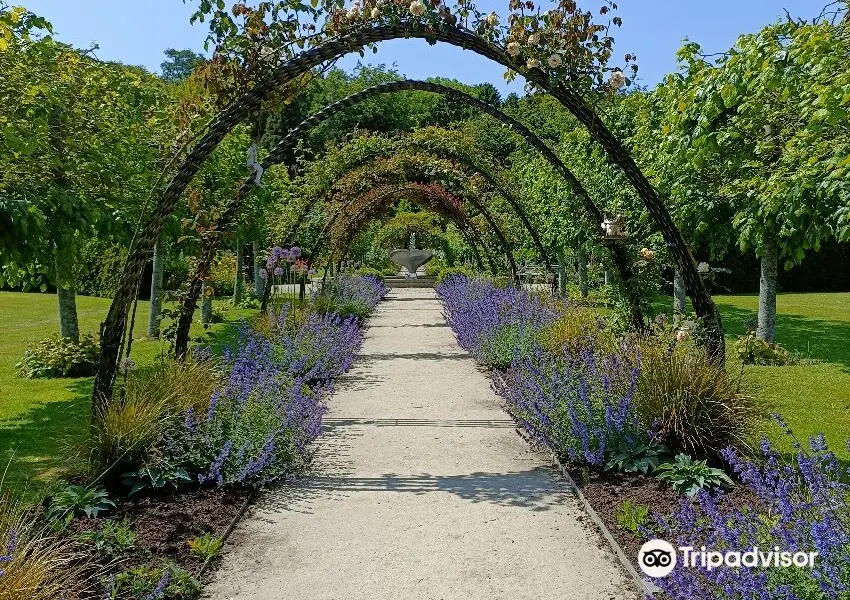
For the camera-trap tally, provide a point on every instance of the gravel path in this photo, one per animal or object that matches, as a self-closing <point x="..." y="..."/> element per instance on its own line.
<point x="421" y="490"/>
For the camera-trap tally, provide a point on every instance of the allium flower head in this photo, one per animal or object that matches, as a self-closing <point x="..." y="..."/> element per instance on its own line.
<point x="295" y="252"/>
<point x="278" y="271"/>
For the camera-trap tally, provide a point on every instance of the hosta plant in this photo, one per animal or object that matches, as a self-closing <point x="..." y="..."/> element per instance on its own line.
<point x="688" y="476"/>
<point x="60" y="357"/>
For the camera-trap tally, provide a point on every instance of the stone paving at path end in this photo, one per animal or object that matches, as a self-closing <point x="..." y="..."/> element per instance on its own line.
<point x="421" y="489"/>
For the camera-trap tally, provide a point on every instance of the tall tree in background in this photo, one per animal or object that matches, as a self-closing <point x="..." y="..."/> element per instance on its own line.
<point x="180" y="64"/>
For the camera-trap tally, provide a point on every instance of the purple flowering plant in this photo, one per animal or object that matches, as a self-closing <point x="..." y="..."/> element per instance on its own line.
<point x="496" y="324"/>
<point x="801" y="503"/>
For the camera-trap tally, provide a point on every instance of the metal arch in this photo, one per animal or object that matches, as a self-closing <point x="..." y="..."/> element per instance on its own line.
<point x="114" y="326"/>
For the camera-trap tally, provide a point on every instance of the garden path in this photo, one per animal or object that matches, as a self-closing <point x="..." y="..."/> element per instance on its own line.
<point x="421" y="490"/>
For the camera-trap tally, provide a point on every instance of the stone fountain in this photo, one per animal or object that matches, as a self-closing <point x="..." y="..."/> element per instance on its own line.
<point x="411" y="259"/>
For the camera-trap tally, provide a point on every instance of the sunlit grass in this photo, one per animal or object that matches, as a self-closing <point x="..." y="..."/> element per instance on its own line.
<point x="42" y="420"/>
<point x="814" y="395"/>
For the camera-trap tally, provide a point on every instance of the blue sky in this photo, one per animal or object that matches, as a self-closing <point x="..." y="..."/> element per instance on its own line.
<point x="136" y="32"/>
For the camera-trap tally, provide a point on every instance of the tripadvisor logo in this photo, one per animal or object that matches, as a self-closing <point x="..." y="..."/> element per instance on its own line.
<point x="658" y="558"/>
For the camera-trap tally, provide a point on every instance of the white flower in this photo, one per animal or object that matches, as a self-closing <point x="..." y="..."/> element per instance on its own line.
<point x="682" y="335"/>
<point x="376" y="13"/>
<point x="355" y="10"/>
<point x="617" y="80"/>
<point x="513" y="49"/>
<point x="532" y="63"/>
<point x="703" y="267"/>
<point x="492" y="19"/>
<point x="555" y="61"/>
<point x="533" y="39"/>
<point x="417" y="8"/>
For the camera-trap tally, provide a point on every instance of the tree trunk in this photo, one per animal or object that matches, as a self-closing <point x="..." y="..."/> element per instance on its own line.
<point x="156" y="292"/>
<point x="680" y="297"/>
<point x="69" y="326"/>
<point x="562" y="274"/>
<point x="206" y="305"/>
<point x="258" y="281"/>
<point x="240" y="276"/>
<point x="581" y="258"/>
<point x="767" y="291"/>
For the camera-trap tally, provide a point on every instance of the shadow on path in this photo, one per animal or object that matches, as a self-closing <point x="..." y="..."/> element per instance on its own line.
<point x="534" y="489"/>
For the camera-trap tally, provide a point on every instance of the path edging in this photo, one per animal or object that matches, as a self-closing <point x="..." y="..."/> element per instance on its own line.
<point x="227" y="532"/>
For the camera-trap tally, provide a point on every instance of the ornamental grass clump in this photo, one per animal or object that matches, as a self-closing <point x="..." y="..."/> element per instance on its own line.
<point x="135" y="425"/>
<point x="578" y="405"/>
<point x="697" y="407"/>
<point x="36" y="562"/>
<point x="495" y="324"/>
<point x="801" y="504"/>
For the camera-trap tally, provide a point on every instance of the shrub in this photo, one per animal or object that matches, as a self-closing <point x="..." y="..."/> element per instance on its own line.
<point x="223" y="273"/>
<point x="632" y="517"/>
<point x="206" y="547"/>
<point x="696" y="406"/>
<point x="576" y="327"/>
<point x="447" y="273"/>
<point x="155" y="478"/>
<point x="345" y="287"/>
<point x="114" y="538"/>
<point x="506" y="344"/>
<point x="165" y="581"/>
<point x="353" y="308"/>
<point x="635" y="456"/>
<point x="801" y="504"/>
<point x="156" y="399"/>
<point x="688" y="476"/>
<point x="36" y="563"/>
<point x="60" y="357"/>
<point x="76" y="500"/>
<point x="754" y="351"/>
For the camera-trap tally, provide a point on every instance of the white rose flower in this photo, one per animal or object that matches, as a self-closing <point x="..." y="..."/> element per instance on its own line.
<point x="533" y="39"/>
<point x="555" y="61"/>
<point x="532" y="63"/>
<point x="492" y="19"/>
<point x="376" y="13"/>
<point x="417" y="8"/>
<point x="617" y="80"/>
<point x="513" y="49"/>
<point x="703" y="267"/>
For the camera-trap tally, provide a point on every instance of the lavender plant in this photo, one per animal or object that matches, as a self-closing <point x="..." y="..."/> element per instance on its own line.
<point x="260" y="422"/>
<point x="802" y="504"/>
<point x="495" y="324"/>
<point x="579" y="405"/>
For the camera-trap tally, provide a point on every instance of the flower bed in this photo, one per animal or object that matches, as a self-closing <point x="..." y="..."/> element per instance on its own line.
<point x="630" y="415"/>
<point x="179" y="455"/>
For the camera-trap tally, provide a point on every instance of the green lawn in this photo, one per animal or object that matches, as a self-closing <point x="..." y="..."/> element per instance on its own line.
<point x="42" y="421"/>
<point x="813" y="396"/>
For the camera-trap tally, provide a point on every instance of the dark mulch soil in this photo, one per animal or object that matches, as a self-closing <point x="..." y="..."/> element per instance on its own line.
<point x="165" y="523"/>
<point x="606" y="492"/>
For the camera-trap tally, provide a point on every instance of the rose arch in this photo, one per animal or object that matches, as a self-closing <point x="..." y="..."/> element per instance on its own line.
<point x="391" y="27"/>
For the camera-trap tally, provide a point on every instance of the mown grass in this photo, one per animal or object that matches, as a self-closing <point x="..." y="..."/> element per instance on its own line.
<point x="43" y="421"/>
<point x="813" y="395"/>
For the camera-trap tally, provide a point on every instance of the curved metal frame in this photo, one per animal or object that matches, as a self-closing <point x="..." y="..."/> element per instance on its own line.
<point x="113" y="328"/>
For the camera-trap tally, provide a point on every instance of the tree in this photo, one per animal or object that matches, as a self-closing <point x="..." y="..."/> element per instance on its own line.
<point x="756" y="116"/>
<point x="180" y="64"/>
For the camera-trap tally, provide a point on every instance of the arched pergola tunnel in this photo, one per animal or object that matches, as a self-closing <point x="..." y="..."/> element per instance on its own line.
<point x="285" y="144"/>
<point x="433" y="196"/>
<point x="417" y="187"/>
<point x="114" y="327"/>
